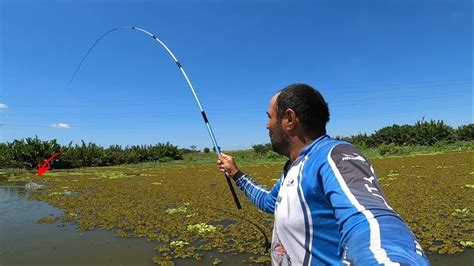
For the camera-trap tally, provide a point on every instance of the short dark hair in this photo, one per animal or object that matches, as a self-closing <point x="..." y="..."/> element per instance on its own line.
<point x="308" y="104"/>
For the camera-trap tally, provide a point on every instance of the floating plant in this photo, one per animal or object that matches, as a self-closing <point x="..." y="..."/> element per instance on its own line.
<point x="154" y="202"/>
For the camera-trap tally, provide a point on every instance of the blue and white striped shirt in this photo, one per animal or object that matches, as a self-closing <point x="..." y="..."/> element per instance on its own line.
<point x="330" y="210"/>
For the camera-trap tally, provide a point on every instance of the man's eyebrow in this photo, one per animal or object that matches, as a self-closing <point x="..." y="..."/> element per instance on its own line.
<point x="268" y="114"/>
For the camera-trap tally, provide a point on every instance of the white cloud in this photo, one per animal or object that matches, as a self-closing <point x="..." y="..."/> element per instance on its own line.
<point x="3" y="106"/>
<point x="60" y="125"/>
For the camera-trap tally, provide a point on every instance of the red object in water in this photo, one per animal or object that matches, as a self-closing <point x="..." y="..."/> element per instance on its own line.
<point x="42" y="169"/>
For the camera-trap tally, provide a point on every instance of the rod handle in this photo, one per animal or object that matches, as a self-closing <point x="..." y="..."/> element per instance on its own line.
<point x="234" y="195"/>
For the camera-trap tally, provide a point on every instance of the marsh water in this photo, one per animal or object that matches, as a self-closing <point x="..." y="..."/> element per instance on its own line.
<point x="25" y="242"/>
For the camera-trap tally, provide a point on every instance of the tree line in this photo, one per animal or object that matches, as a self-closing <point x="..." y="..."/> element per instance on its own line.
<point x="28" y="153"/>
<point x="422" y="133"/>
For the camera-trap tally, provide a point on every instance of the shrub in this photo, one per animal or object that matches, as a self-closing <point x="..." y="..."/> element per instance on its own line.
<point x="428" y="133"/>
<point x="273" y="155"/>
<point x="27" y="153"/>
<point x="360" y="140"/>
<point x="422" y="133"/>
<point x="395" y="134"/>
<point x="465" y="133"/>
<point x="262" y="149"/>
<point x="390" y="149"/>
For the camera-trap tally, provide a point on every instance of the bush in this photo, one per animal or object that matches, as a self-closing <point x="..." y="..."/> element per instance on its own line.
<point x="28" y="153"/>
<point x="428" y="133"/>
<point x="390" y="149"/>
<point x="273" y="155"/>
<point x="362" y="141"/>
<point x="395" y="134"/>
<point x="422" y="133"/>
<point x="262" y="149"/>
<point x="465" y="133"/>
<point x="5" y="155"/>
<point x="165" y="160"/>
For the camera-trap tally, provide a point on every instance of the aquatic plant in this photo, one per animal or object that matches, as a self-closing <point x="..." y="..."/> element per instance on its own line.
<point x="467" y="244"/>
<point x="216" y="261"/>
<point x="461" y="212"/>
<point x="46" y="220"/>
<point x="178" y="244"/>
<point x="393" y="173"/>
<point x="176" y="210"/>
<point x="191" y="204"/>
<point x="201" y="228"/>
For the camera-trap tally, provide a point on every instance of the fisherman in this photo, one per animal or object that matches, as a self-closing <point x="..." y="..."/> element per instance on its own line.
<point x="328" y="205"/>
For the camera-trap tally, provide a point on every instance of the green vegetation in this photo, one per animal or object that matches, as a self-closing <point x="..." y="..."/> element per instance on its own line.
<point x="28" y="153"/>
<point x="423" y="133"/>
<point x="395" y="140"/>
<point x="186" y="209"/>
<point x="177" y="199"/>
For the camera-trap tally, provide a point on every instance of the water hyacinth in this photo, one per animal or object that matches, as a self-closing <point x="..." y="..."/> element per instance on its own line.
<point x="467" y="244"/>
<point x="178" y="244"/>
<point x="461" y="212"/>
<point x="201" y="228"/>
<point x="176" y="210"/>
<point x="192" y="205"/>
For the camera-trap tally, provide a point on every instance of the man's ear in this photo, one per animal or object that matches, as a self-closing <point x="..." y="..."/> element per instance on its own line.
<point x="291" y="119"/>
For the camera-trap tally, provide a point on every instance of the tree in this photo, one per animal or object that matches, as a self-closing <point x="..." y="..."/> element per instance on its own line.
<point x="206" y="150"/>
<point x="262" y="148"/>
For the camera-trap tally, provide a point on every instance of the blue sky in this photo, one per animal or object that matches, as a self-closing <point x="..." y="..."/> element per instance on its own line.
<point x="376" y="62"/>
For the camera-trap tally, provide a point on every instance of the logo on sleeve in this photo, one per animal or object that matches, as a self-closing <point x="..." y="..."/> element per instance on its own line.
<point x="290" y="182"/>
<point x="354" y="157"/>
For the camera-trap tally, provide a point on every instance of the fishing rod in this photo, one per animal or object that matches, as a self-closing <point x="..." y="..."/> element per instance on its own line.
<point x="206" y="121"/>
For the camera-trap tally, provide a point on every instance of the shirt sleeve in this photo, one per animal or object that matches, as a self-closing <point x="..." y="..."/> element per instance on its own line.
<point x="368" y="225"/>
<point x="263" y="198"/>
<point x="360" y="208"/>
<point x="351" y="186"/>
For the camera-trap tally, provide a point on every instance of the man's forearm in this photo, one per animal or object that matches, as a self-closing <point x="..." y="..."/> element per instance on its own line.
<point x="258" y="195"/>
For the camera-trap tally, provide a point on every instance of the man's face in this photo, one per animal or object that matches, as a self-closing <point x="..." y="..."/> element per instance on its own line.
<point x="278" y="137"/>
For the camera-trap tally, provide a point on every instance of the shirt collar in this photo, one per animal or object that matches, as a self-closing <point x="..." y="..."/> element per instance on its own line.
<point x="308" y="148"/>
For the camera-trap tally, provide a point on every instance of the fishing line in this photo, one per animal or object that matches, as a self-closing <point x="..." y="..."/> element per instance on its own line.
<point x="203" y="114"/>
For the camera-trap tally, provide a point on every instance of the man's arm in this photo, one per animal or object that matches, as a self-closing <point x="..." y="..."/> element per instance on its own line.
<point x="263" y="198"/>
<point x="372" y="233"/>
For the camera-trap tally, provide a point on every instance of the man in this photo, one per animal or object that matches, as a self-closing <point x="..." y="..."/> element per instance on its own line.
<point x="329" y="208"/>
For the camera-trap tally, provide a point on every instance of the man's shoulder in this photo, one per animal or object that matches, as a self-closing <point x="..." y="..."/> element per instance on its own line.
<point x="328" y="146"/>
<point x="333" y="150"/>
<point x="319" y="154"/>
<point x="345" y="151"/>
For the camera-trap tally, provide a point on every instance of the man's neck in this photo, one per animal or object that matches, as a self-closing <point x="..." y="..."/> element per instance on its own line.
<point x="298" y="144"/>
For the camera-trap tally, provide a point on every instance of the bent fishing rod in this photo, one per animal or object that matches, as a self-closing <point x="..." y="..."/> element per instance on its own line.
<point x="206" y="121"/>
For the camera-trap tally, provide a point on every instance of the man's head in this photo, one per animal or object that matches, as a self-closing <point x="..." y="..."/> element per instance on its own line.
<point x="296" y="111"/>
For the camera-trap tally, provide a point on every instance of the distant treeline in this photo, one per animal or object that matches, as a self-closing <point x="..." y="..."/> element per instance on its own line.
<point x="27" y="153"/>
<point x="422" y="133"/>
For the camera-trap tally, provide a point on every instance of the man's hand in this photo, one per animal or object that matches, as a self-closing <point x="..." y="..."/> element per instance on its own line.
<point x="226" y="164"/>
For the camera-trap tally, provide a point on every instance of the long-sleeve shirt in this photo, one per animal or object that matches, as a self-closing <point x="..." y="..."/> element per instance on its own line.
<point x="329" y="209"/>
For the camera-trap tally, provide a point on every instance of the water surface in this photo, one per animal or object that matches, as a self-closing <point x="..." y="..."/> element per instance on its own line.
<point x="24" y="242"/>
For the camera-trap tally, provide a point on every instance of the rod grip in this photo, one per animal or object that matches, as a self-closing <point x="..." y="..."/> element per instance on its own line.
<point x="234" y="195"/>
